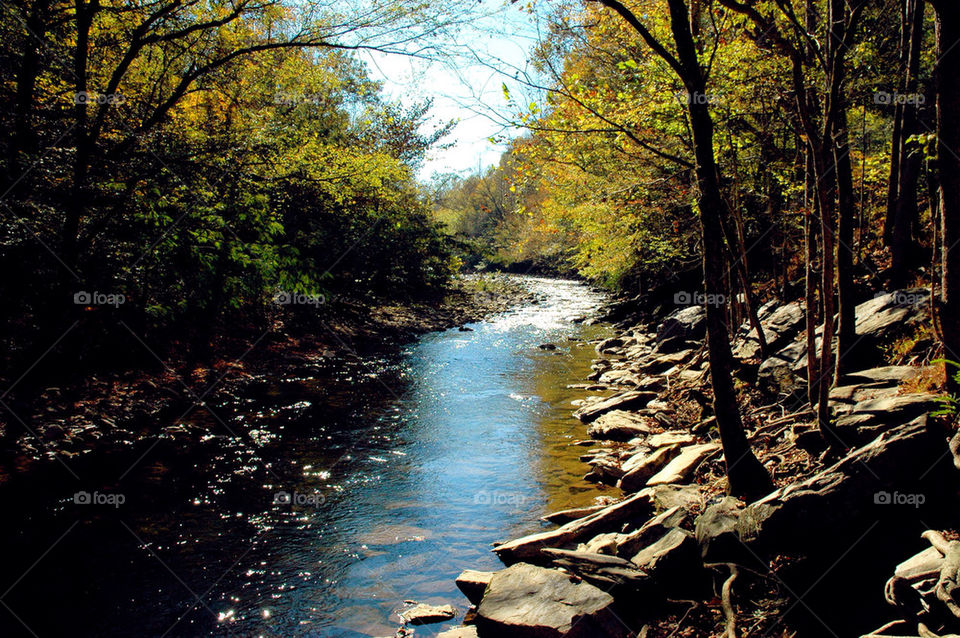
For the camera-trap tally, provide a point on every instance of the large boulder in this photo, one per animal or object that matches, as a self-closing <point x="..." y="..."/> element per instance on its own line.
<point x="525" y="601"/>
<point x="688" y="323"/>
<point x="845" y="500"/>
<point x="780" y="323"/>
<point x="777" y="373"/>
<point x="673" y="561"/>
<point x="632" y="400"/>
<point x="892" y="313"/>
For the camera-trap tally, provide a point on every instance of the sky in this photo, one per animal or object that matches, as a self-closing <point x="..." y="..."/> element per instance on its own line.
<point x="465" y="85"/>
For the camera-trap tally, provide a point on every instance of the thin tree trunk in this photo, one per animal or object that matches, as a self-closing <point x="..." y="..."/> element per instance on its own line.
<point x="905" y="210"/>
<point x="745" y="474"/>
<point x="948" y="131"/>
<point x="896" y="143"/>
<point x="24" y="138"/>
<point x="846" y="302"/>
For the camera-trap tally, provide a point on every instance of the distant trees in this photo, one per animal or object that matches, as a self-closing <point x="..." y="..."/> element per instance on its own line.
<point x="783" y="143"/>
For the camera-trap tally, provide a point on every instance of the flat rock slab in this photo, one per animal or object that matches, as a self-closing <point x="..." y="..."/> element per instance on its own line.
<point x="632" y="400"/>
<point x="473" y="583"/>
<point x="529" y="548"/>
<point x="664" y="497"/>
<point x="892" y="312"/>
<point x="526" y="601"/>
<point x="868" y="419"/>
<point x="467" y="631"/>
<point x="639" y="468"/>
<point x="424" y="614"/>
<point x="679" y="469"/>
<point x="620" y="425"/>
<point x="657" y="527"/>
<point x="565" y="516"/>
<point x="888" y="375"/>
<point x="670" y="438"/>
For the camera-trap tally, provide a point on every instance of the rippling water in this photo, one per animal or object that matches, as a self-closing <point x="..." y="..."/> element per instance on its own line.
<point x="353" y="490"/>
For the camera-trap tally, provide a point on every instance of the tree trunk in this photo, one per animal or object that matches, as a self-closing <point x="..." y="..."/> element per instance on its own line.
<point x="896" y="139"/>
<point x="905" y="209"/>
<point x="846" y="302"/>
<point x="76" y="207"/>
<point x="24" y="138"/>
<point x="746" y="476"/>
<point x="810" y="283"/>
<point x="948" y="131"/>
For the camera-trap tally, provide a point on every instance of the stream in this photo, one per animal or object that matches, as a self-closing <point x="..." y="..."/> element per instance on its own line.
<point x="352" y="489"/>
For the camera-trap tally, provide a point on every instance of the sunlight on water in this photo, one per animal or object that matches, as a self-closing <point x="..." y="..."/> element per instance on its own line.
<point x="348" y="493"/>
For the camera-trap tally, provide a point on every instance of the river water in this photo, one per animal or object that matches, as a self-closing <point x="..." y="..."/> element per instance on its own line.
<point x="352" y="490"/>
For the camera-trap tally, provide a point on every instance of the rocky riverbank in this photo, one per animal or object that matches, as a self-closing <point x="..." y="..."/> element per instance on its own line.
<point x="121" y="411"/>
<point x="675" y="556"/>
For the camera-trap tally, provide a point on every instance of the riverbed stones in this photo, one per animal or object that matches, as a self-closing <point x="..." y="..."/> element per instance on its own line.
<point x="473" y="583"/>
<point x="526" y="601"/>
<point x="632" y="400"/>
<point x="680" y="468"/>
<point x="467" y="631"/>
<point x="423" y="614"/>
<point x="620" y="425"/>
